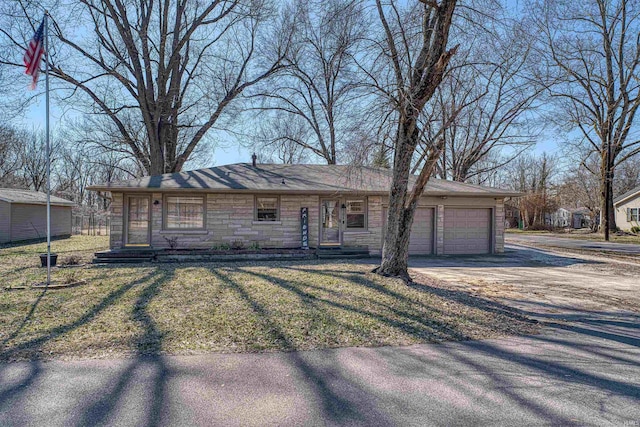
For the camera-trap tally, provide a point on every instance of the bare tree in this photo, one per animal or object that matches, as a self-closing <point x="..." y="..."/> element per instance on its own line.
<point x="589" y="54"/>
<point x="484" y="107"/>
<point x="34" y="159"/>
<point x="314" y="103"/>
<point x="535" y="177"/>
<point x="175" y="67"/>
<point x="417" y="68"/>
<point x="11" y="141"/>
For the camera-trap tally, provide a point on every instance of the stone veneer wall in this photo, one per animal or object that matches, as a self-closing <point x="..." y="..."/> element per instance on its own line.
<point x="372" y="237"/>
<point x="498" y="214"/>
<point x="230" y="219"/>
<point x="116" y="211"/>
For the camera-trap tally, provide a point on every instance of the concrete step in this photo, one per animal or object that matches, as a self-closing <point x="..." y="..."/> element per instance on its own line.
<point x="124" y="254"/>
<point x="343" y="256"/>
<point x="122" y="260"/>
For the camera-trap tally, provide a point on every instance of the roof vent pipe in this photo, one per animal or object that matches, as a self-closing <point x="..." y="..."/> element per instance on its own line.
<point x="253" y="159"/>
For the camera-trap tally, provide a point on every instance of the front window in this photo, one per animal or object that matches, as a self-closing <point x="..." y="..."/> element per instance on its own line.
<point x="633" y="214"/>
<point x="266" y="208"/>
<point x="184" y="212"/>
<point x="356" y="214"/>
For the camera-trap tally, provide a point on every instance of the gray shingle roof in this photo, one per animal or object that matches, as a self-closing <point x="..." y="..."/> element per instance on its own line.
<point x="627" y="195"/>
<point x="327" y="179"/>
<point x="28" y="197"/>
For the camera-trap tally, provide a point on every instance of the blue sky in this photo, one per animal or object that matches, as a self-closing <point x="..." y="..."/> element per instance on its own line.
<point x="224" y="153"/>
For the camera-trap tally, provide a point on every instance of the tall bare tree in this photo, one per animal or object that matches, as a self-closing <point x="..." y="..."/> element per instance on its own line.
<point x="535" y="177"/>
<point x="417" y="67"/>
<point x="34" y="159"/>
<point x="11" y="141"/>
<point x="174" y="66"/>
<point x="484" y="107"/>
<point x="316" y="97"/>
<point x="589" y="54"/>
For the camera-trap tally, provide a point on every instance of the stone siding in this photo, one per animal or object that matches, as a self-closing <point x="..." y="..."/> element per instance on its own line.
<point x="116" y="211"/>
<point x="372" y="236"/>
<point x="498" y="213"/>
<point x="439" y="230"/>
<point x="230" y="220"/>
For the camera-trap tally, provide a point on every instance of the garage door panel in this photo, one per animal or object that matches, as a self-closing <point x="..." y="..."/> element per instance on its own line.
<point x="467" y="231"/>
<point x="421" y="238"/>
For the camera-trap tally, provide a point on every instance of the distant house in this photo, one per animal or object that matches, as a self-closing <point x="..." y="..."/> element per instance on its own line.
<point x="23" y="215"/>
<point x="262" y="205"/>
<point x="627" y="209"/>
<point x="569" y="218"/>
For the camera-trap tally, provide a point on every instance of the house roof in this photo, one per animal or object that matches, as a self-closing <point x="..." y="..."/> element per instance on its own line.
<point x="301" y="178"/>
<point x="626" y="196"/>
<point x="28" y="197"/>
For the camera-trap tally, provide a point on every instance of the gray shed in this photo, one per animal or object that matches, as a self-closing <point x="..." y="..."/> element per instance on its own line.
<point x="23" y="215"/>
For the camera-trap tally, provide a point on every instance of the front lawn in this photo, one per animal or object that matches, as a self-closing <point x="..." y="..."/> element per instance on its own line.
<point x="232" y="307"/>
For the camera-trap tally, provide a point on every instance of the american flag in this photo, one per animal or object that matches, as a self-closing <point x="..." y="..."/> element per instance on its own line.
<point x="33" y="55"/>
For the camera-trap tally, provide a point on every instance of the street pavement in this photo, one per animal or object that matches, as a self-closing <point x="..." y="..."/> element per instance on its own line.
<point x="588" y="375"/>
<point x="569" y="243"/>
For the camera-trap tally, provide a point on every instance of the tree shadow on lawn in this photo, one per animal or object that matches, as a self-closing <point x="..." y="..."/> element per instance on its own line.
<point x="509" y="389"/>
<point x="102" y="403"/>
<point x="341" y="398"/>
<point x="327" y="384"/>
<point x="447" y="295"/>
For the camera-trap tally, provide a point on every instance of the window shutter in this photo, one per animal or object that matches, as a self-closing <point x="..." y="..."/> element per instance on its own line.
<point x="628" y="214"/>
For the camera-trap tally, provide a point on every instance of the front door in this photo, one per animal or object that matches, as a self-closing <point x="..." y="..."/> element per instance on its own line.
<point x="330" y="225"/>
<point x="138" y="215"/>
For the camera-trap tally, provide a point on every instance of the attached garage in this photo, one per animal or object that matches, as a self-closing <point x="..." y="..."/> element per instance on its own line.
<point x="467" y="231"/>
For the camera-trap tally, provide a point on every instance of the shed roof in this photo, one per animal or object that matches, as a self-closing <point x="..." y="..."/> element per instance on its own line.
<point x="626" y="196"/>
<point x="301" y="178"/>
<point x="29" y="197"/>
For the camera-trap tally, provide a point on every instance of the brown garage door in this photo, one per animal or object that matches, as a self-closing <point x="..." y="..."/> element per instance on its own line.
<point x="421" y="240"/>
<point x="467" y="231"/>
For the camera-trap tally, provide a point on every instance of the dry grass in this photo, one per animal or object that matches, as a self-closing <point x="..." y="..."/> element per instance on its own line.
<point x="240" y="307"/>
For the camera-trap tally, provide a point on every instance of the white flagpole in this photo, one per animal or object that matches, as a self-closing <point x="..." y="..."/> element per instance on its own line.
<point x="46" y="68"/>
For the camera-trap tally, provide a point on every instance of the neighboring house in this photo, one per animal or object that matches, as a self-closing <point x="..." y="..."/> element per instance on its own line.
<point x="260" y="205"/>
<point x="569" y="218"/>
<point x="627" y="209"/>
<point x="23" y="215"/>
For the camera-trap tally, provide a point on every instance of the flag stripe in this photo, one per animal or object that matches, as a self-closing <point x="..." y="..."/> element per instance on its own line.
<point x="33" y="55"/>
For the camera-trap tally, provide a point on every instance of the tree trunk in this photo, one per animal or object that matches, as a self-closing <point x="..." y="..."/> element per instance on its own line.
<point x="603" y="198"/>
<point x="395" y="250"/>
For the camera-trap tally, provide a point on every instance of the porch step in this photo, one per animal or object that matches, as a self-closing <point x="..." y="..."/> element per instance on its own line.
<point x="122" y="260"/>
<point x="123" y="256"/>
<point x="343" y="253"/>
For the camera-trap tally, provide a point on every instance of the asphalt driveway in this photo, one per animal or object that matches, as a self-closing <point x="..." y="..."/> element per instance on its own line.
<point x="542" y="282"/>
<point x="575" y="244"/>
